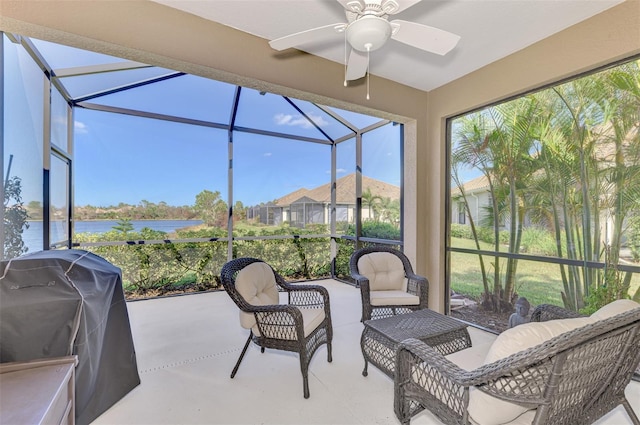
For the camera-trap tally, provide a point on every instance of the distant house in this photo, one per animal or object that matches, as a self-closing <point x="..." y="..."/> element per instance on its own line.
<point x="313" y="206"/>
<point x="477" y="195"/>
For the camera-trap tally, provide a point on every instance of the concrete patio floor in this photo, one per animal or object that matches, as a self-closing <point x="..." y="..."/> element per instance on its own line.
<point x="186" y="347"/>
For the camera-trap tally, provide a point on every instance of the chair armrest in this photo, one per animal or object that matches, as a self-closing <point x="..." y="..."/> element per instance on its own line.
<point x="279" y="321"/>
<point x="419" y="286"/>
<point x="308" y="296"/>
<point x="425" y="376"/>
<point x="303" y="295"/>
<point x="443" y="387"/>
<point x="361" y="280"/>
<point x="545" y="312"/>
<point x="412" y="351"/>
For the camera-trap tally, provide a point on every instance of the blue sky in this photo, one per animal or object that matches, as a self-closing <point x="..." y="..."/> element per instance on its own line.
<point x="132" y="158"/>
<point x="119" y="158"/>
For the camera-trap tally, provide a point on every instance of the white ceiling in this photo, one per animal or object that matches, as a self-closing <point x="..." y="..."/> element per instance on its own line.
<point x="489" y="30"/>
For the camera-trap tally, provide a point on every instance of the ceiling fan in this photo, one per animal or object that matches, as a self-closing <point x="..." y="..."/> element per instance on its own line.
<point x="368" y="28"/>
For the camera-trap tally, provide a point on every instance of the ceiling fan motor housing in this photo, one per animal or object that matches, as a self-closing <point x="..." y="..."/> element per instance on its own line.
<point x="368" y="33"/>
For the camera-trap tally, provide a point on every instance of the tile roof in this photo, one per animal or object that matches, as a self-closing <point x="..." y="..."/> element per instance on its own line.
<point x="345" y="191"/>
<point x="479" y="184"/>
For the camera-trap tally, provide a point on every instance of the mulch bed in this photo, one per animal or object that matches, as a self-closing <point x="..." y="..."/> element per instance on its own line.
<point x="494" y="322"/>
<point x="168" y="292"/>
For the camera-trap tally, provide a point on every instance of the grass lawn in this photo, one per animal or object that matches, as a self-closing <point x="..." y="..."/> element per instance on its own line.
<point x="537" y="281"/>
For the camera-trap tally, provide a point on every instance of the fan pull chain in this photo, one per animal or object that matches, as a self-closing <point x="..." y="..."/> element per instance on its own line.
<point x="345" y="58"/>
<point x="368" y="73"/>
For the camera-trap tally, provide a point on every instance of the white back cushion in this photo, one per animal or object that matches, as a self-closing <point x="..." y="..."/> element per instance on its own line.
<point x="257" y="285"/>
<point x="614" y="308"/>
<point x="384" y="270"/>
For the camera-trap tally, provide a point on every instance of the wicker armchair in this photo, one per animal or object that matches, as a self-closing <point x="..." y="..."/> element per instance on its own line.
<point x="301" y="326"/>
<point x="573" y="378"/>
<point x="388" y="285"/>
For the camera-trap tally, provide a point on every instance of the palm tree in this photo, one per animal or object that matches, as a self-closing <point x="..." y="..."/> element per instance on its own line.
<point x="622" y="175"/>
<point x="371" y="202"/>
<point x="470" y="135"/>
<point x="589" y="151"/>
<point x="553" y="191"/>
<point x="512" y="143"/>
<point x="564" y="158"/>
<point x="389" y="210"/>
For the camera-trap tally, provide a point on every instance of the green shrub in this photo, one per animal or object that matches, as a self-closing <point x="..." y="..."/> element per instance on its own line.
<point x="461" y="231"/>
<point x="538" y="241"/>
<point x="376" y="229"/>
<point x="634" y="238"/>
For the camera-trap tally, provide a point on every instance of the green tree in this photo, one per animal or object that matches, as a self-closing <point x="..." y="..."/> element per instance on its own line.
<point x="239" y="211"/>
<point x="512" y="142"/>
<point x="123" y="225"/>
<point x="211" y="208"/>
<point x="469" y="132"/>
<point x="390" y="210"/>
<point x="370" y="201"/>
<point x="598" y="160"/>
<point x="34" y="210"/>
<point x="15" y="219"/>
<point x="567" y="159"/>
<point x="499" y="142"/>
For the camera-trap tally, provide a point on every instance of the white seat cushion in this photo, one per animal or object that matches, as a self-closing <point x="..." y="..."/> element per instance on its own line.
<point x="257" y="285"/>
<point x="311" y="319"/>
<point x="525" y="419"/>
<point x="393" y="298"/>
<point x="384" y="270"/>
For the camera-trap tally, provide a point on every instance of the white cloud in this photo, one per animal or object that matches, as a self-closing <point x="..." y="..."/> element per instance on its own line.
<point x="299" y="120"/>
<point x="267" y="154"/>
<point x="80" y="127"/>
<point x="338" y="171"/>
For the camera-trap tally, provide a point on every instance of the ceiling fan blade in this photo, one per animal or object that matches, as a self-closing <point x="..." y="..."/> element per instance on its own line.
<point x="424" y="37"/>
<point x="359" y="5"/>
<point x="308" y="36"/>
<point x="405" y="4"/>
<point x="357" y="65"/>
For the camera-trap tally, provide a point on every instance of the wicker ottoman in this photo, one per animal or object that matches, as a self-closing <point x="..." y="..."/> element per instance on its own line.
<point x="381" y="337"/>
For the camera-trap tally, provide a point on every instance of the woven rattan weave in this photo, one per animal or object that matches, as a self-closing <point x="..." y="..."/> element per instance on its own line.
<point x="381" y="337"/>
<point x="281" y="326"/>
<point x="416" y="285"/>
<point x="574" y="378"/>
<point x="552" y="312"/>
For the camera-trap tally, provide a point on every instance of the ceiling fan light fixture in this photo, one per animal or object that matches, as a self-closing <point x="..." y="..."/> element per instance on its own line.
<point x="368" y="33"/>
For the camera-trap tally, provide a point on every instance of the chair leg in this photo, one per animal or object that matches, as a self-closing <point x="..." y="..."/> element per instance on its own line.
<point x="304" y="368"/>
<point x="630" y="412"/>
<point x="244" y="350"/>
<point x="305" y="385"/>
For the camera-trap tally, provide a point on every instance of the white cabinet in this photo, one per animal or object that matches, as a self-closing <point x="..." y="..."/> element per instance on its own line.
<point x="38" y="391"/>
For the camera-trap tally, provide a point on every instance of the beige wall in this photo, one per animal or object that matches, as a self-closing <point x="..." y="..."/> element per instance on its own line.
<point x="155" y="34"/>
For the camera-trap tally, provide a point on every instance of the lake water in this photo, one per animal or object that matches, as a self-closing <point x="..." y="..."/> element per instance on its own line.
<point x="33" y="235"/>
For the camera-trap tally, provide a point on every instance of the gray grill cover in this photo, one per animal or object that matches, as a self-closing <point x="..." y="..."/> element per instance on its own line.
<point x="63" y="302"/>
